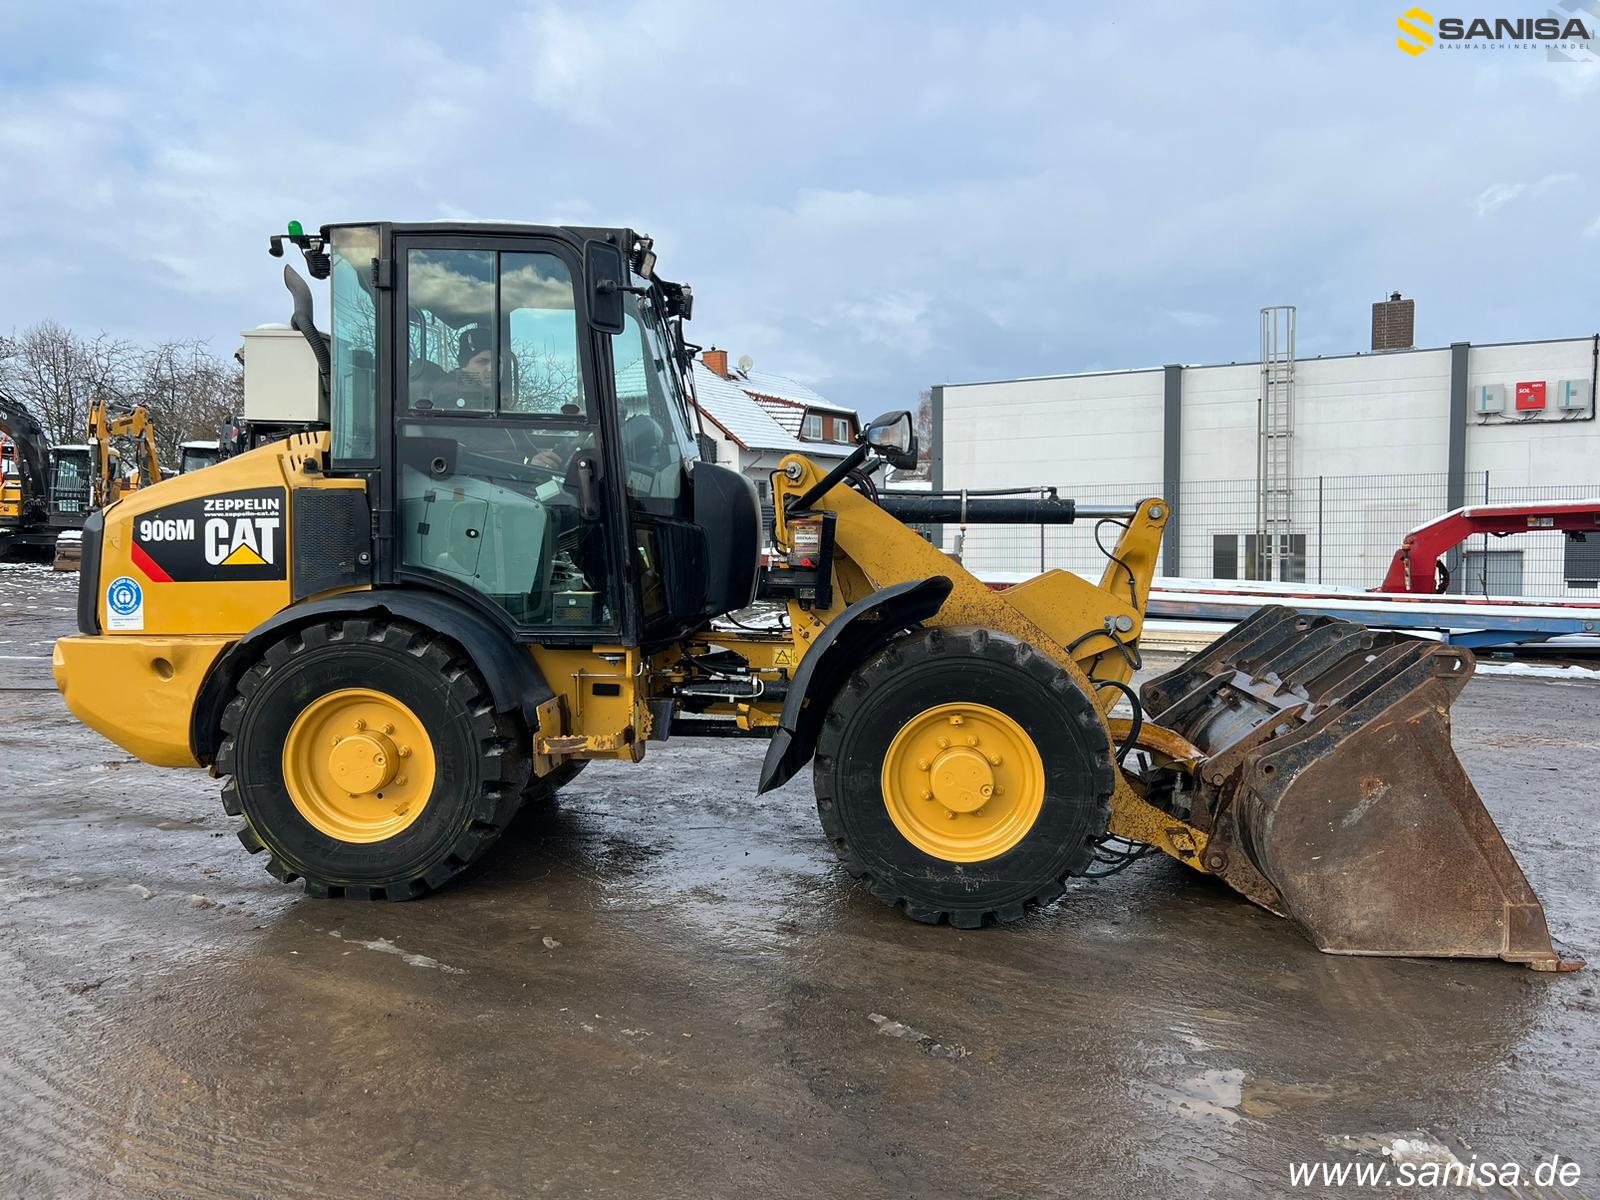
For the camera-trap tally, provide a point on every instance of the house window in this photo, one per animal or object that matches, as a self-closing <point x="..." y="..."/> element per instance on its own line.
<point x="1291" y="559"/>
<point x="841" y="429"/>
<point x="1292" y="566"/>
<point x="812" y="428"/>
<point x="1491" y="573"/>
<point x="1582" y="562"/>
<point x="1224" y="556"/>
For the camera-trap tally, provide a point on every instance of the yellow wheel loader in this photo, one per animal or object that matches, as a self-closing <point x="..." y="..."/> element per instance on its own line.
<point x="498" y="555"/>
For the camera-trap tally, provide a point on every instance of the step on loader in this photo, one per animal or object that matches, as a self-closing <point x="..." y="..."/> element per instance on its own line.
<point x="497" y="554"/>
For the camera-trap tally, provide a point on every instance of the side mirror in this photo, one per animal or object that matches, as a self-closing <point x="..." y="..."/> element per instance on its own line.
<point x="891" y="435"/>
<point x="606" y="275"/>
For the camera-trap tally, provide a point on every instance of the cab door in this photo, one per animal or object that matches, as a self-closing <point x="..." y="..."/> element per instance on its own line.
<point x="502" y="487"/>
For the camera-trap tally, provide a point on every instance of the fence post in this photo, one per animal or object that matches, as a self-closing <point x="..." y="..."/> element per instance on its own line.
<point x="1319" y="530"/>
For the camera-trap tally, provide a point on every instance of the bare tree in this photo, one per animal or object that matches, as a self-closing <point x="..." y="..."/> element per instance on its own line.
<point x="188" y="390"/>
<point x="55" y="373"/>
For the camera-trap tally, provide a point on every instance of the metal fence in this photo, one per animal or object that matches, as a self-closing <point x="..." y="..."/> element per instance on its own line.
<point x="1346" y="529"/>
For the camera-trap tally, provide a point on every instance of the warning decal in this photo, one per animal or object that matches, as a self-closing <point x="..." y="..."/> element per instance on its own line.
<point x="234" y="536"/>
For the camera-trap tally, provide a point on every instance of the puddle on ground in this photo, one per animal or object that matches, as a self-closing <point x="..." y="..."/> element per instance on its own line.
<point x="1229" y="1095"/>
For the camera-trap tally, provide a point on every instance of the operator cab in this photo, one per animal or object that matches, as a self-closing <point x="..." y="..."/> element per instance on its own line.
<point x="194" y="456"/>
<point x="71" y="483"/>
<point x="516" y="397"/>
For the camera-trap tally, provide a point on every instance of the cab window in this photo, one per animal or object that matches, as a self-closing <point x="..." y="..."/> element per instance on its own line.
<point x="657" y="437"/>
<point x="450" y="331"/>
<point x="540" y="359"/>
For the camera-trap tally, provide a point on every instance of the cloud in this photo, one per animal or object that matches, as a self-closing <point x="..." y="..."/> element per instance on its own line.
<point x="872" y="198"/>
<point x="1497" y="195"/>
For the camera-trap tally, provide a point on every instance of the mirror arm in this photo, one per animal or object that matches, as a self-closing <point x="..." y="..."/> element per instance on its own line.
<point x="827" y="483"/>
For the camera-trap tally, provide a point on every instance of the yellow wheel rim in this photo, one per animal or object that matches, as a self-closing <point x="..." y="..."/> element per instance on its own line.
<point x="358" y="765"/>
<point x="963" y="782"/>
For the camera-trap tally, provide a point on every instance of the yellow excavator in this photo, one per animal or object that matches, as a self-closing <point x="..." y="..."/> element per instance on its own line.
<point x="497" y="555"/>
<point x="104" y="428"/>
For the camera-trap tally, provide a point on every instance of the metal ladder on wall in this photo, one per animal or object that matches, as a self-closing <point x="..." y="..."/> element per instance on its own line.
<point x="1275" y="444"/>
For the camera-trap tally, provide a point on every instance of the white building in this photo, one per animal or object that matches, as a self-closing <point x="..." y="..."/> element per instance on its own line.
<point x="1381" y="442"/>
<point x="754" y="418"/>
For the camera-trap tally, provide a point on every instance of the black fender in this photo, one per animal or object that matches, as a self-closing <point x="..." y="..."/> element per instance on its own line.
<point x="851" y="638"/>
<point x="515" y="682"/>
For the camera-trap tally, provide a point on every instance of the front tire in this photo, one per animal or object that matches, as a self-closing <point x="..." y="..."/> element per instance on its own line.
<point x="964" y="776"/>
<point x="367" y="759"/>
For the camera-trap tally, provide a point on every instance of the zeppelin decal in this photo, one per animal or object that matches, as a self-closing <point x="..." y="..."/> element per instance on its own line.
<point x="215" y="539"/>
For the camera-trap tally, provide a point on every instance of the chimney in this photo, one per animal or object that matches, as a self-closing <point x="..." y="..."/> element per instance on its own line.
<point x="716" y="359"/>
<point x="1394" y="323"/>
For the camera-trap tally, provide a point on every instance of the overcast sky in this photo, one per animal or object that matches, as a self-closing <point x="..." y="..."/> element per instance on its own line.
<point x="872" y="198"/>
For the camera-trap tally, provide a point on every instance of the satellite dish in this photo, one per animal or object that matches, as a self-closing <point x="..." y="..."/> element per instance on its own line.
<point x="746" y="362"/>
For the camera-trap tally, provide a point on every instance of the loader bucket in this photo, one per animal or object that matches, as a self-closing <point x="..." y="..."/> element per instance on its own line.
<point x="1333" y="797"/>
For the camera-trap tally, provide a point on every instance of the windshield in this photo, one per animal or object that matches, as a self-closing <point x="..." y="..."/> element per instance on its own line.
<point x="195" y="457"/>
<point x="658" y="435"/>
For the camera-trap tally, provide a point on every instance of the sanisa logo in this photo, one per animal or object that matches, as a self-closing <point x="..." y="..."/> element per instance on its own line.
<point x="1419" y="31"/>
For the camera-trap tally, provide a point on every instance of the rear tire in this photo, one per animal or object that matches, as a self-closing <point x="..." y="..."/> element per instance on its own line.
<point x="944" y="851"/>
<point x="317" y="688"/>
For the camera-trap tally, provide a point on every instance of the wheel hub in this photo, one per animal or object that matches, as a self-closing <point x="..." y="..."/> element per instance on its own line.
<point x="962" y="779"/>
<point x="963" y="782"/>
<point x="364" y="762"/>
<point x="358" y="765"/>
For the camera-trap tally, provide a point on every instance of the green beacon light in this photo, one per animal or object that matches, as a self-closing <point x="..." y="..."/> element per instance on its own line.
<point x="296" y="229"/>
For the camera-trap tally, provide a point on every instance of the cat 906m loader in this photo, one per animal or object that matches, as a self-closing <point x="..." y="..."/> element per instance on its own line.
<point x="497" y="555"/>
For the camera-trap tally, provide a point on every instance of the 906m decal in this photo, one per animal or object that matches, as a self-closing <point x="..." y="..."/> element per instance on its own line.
<point x="234" y="536"/>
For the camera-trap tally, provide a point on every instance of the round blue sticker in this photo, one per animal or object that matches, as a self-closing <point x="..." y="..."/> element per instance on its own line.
<point x="124" y="597"/>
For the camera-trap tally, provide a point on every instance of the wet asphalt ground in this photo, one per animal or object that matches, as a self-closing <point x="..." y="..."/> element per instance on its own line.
<point x="667" y="988"/>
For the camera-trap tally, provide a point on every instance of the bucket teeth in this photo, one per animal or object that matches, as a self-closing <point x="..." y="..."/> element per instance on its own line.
<point x="1332" y="795"/>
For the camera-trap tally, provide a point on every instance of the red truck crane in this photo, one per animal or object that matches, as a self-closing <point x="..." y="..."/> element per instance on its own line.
<point x="1418" y="565"/>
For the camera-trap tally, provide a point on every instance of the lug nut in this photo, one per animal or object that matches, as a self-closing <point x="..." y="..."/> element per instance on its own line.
<point x="994" y="760"/>
<point x="360" y="724"/>
<point x="949" y="813"/>
<point x="405" y="751"/>
<point x="387" y="728"/>
<point x="944" y="743"/>
<point x="923" y="764"/>
<point x="927" y="795"/>
<point x="972" y="741"/>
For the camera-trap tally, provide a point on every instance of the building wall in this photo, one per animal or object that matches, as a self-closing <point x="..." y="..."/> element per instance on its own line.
<point x="1079" y="429"/>
<point x="1371" y="453"/>
<point x="1537" y="452"/>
